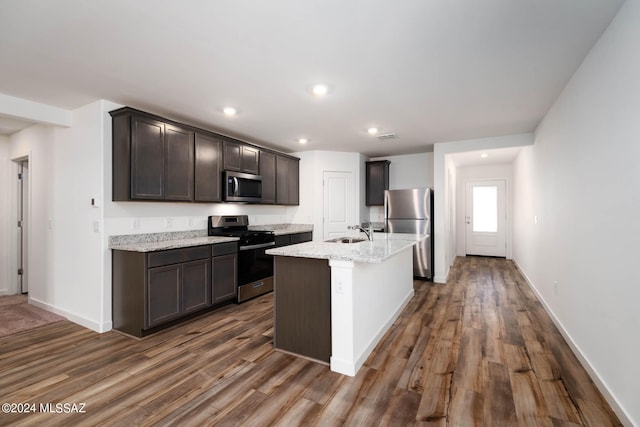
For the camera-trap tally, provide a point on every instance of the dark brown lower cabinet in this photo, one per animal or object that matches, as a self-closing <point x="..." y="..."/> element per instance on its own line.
<point x="292" y="239"/>
<point x="225" y="273"/>
<point x="154" y="289"/>
<point x="196" y="285"/>
<point x="303" y="307"/>
<point x="163" y="295"/>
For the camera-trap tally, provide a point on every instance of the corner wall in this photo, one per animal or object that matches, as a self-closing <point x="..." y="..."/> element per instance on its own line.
<point x="581" y="179"/>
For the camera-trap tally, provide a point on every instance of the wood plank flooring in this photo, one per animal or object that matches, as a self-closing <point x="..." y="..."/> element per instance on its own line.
<point x="479" y="350"/>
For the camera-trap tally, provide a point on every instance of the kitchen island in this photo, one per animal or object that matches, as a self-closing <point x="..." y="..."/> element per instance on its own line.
<point x="334" y="301"/>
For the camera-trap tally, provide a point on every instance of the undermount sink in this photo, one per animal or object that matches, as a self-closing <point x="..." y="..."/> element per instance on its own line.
<point x="346" y="240"/>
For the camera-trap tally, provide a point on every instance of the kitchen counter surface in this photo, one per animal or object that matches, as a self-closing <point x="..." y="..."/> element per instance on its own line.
<point x="150" y="242"/>
<point x="383" y="246"/>
<point x="282" y="229"/>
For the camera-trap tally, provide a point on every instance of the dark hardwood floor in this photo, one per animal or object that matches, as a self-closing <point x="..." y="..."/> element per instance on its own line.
<point x="479" y="350"/>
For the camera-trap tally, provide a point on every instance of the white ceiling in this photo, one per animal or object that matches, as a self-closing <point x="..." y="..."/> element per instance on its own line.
<point x="428" y="70"/>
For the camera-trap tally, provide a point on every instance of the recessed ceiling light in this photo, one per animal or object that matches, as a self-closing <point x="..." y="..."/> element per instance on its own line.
<point x="484" y="155"/>
<point x="320" y="89"/>
<point x="303" y="140"/>
<point x="229" y="111"/>
<point x="372" y="131"/>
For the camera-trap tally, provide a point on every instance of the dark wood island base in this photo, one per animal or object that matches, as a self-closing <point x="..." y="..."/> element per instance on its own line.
<point x="302" y="299"/>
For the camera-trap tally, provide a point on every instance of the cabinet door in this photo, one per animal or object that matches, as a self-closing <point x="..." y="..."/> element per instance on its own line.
<point x="268" y="172"/>
<point x="377" y="180"/>
<point x="207" y="168"/>
<point x="250" y="160"/>
<point x="231" y="157"/>
<point x="147" y="159"/>
<point x="301" y="237"/>
<point x="163" y="295"/>
<point x="294" y="182"/>
<point x="196" y="285"/>
<point x="178" y="164"/>
<point x="224" y="278"/>
<point x="287" y="181"/>
<point x="282" y="177"/>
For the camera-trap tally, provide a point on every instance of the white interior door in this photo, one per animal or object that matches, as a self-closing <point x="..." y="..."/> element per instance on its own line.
<point x="485" y="218"/>
<point x="339" y="204"/>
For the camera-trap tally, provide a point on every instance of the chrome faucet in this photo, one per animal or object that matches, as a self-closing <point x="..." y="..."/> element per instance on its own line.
<point x="368" y="232"/>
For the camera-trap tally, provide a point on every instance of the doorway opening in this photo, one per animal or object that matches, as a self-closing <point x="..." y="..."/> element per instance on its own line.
<point x="23" y="225"/>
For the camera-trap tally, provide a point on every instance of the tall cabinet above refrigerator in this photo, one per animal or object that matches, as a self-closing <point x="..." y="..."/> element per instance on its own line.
<point x="410" y="211"/>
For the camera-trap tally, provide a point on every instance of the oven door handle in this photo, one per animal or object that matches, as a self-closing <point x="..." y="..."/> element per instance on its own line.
<point x="261" y="245"/>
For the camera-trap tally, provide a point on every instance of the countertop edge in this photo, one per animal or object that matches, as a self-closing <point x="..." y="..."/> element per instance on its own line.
<point x="172" y="244"/>
<point x="373" y="252"/>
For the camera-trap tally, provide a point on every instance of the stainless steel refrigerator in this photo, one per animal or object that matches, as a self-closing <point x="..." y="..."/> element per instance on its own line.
<point x="410" y="211"/>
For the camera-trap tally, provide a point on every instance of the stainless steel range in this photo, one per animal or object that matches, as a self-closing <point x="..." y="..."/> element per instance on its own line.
<point x="255" y="268"/>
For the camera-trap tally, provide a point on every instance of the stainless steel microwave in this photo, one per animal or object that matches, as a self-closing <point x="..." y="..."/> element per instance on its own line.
<point x="242" y="187"/>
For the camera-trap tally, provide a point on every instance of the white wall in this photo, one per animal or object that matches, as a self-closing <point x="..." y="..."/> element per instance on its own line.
<point x="36" y="143"/>
<point x="63" y="250"/>
<point x="405" y="171"/>
<point x="483" y="172"/>
<point x="444" y="167"/>
<point x="581" y="179"/>
<point x="313" y="164"/>
<point x="6" y="285"/>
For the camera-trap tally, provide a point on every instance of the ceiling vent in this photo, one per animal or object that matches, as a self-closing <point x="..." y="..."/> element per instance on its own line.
<point x="385" y="136"/>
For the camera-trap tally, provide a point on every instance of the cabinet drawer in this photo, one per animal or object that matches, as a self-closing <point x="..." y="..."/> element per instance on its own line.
<point x="173" y="256"/>
<point x="301" y="237"/>
<point x="283" y="240"/>
<point x="224" y="249"/>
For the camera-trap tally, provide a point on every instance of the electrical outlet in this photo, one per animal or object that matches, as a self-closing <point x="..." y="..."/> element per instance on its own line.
<point x="168" y="222"/>
<point x="135" y="224"/>
<point x="535" y="219"/>
<point x="556" y="287"/>
<point x="96" y="226"/>
<point x="339" y="287"/>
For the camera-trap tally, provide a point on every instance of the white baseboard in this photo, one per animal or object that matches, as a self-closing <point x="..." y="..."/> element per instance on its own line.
<point x="5" y="292"/>
<point x="82" y="321"/>
<point x="597" y="380"/>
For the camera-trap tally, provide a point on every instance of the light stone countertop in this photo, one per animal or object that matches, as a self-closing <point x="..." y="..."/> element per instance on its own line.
<point x="282" y="229"/>
<point x="383" y="246"/>
<point x="150" y="242"/>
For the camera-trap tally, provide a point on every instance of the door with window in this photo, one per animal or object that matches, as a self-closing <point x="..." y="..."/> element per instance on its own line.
<point x="485" y="218"/>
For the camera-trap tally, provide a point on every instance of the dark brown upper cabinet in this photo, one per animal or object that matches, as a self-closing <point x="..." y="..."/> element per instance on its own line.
<point x="241" y="158"/>
<point x="377" y="180"/>
<point x="287" y="181"/>
<point x="268" y="172"/>
<point x="178" y="163"/>
<point x="152" y="160"/>
<point x="159" y="159"/>
<point x="208" y="168"/>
